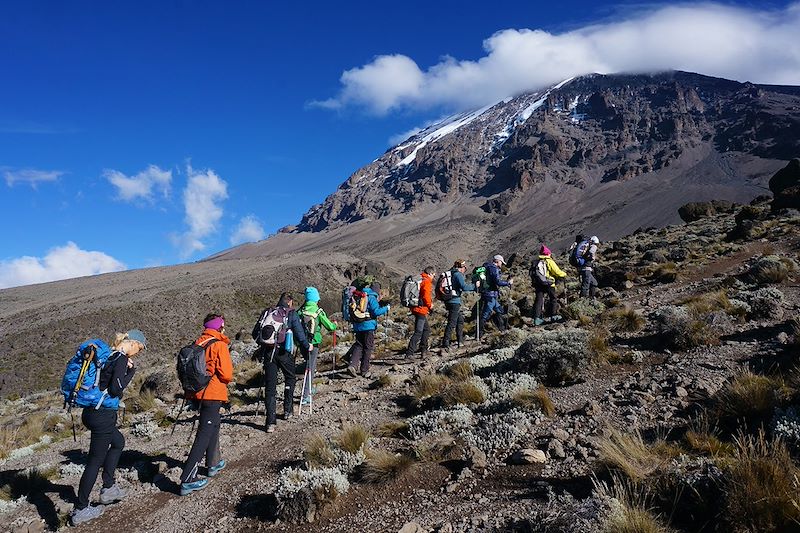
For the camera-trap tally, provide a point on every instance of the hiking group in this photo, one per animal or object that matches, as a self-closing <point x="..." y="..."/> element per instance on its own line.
<point x="98" y="373"/>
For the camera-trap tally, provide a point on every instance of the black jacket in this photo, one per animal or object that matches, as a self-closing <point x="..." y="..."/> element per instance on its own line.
<point x="116" y="376"/>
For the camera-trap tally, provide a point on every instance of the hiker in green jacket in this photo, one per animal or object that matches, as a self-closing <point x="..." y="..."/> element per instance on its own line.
<point x="314" y="319"/>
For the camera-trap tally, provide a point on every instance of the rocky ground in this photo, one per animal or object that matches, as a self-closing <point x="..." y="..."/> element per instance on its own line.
<point x="623" y="413"/>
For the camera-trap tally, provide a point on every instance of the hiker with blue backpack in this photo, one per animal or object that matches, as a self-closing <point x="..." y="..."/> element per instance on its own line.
<point x="544" y="273"/>
<point x="314" y="319"/>
<point x="588" y="258"/>
<point x="212" y="350"/>
<point x="363" y="309"/>
<point x="449" y="287"/>
<point x="277" y="332"/>
<point x="95" y="380"/>
<point x="490" y="282"/>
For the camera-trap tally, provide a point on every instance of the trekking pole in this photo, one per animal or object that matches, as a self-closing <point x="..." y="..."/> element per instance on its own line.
<point x="334" y="351"/>
<point x="180" y="411"/>
<point x="478" y="321"/>
<point x="303" y="391"/>
<point x="72" y="416"/>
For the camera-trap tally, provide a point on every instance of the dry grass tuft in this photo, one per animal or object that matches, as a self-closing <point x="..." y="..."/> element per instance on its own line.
<point x="665" y="272"/>
<point x="144" y="402"/>
<point x="381" y="466"/>
<point x="352" y="438"/>
<point x="32" y="428"/>
<point x="535" y="399"/>
<point x="628" y="453"/>
<point x="429" y="385"/>
<point x="749" y="399"/>
<point x="599" y="347"/>
<point x="461" y="371"/>
<point x="318" y="453"/>
<point x="631" y="514"/>
<point x="465" y="392"/>
<point x="393" y="429"/>
<point x="762" y="489"/>
<point x="384" y="381"/>
<point x="624" y="319"/>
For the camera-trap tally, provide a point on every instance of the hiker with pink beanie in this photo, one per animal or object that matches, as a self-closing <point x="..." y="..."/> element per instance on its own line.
<point x="544" y="273"/>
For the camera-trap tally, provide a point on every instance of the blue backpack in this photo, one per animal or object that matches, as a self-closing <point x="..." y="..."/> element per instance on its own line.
<point x="81" y="383"/>
<point x="577" y="257"/>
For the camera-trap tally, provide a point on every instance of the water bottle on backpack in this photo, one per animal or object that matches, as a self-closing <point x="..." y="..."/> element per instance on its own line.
<point x="288" y="343"/>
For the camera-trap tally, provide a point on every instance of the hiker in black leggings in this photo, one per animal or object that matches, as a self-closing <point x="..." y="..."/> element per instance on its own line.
<point x="107" y="442"/>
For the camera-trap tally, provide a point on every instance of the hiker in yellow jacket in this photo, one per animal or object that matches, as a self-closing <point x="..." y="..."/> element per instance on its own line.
<point x="544" y="273"/>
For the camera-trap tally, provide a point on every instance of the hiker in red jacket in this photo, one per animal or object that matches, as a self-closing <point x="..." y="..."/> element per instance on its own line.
<point x="422" y="330"/>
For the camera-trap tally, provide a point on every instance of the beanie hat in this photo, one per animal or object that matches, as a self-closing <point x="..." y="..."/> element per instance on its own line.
<point x="544" y="250"/>
<point x="312" y="294"/>
<point x="138" y="336"/>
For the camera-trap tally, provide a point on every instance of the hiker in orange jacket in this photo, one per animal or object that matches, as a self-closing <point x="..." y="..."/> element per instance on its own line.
<point x="206" y="443"/>
<point x="422" y="330"/>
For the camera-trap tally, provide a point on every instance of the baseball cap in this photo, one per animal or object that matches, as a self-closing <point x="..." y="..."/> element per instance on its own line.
<point x="499" y="257"/>
<point x="138" y="336"/>
<point x="595" y="240"/>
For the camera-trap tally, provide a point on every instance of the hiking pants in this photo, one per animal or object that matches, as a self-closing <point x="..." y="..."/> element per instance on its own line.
<point x="455" y="320"/>
<point x="538" y="304"/>
<point x="105" y="447"/>
<point x="588" y="284"/>
<point x="206" y="442"/>
<point x="311" y="367"/>
<point x="284" y="361"/>
<point x="362" y="350"/>
<point x="419" y="339"/>
<point x="490" y="304"/>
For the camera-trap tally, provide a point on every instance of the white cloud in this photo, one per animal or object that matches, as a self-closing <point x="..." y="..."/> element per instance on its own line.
<point x="249" y="229"/>
<point x="62" y="262"/>
<point x="30" y="176"/>
<point x="202" y="203"/>
<point x="141" y="185"/>
<point x="397" y="138"/>
<point x="739" y="43"/>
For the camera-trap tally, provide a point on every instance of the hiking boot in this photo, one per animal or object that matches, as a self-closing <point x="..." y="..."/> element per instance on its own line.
<point x="112" y="494"/>
<point x="555" y="318"/>
<point x="367" y="374"/>
<point x="305" y="401"/>
<point x="270" y="428"/>
<point x="79" y="516"/>
<point x="214" y="470"/>
<point x="188" y="488"/>
<point x="352" y="371"/>
<point x="538" y="321"/>
<point x="288" y="416"/>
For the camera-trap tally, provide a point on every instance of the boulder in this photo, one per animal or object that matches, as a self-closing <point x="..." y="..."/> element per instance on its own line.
<point x="785" y="186"/>
<point x="527" y="456"/>
<point x="475" y="459"/>
<point x="163" y="384"/>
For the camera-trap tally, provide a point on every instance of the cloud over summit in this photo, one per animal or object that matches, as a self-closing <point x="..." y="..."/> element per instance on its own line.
<point x="745" y="44"/>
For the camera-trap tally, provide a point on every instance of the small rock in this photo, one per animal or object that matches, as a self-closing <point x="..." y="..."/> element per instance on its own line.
<point x="528" y="456"/>
<point x="680" y="392"/>
<point x="475" y="459"/>
<point x="556" y="449"/>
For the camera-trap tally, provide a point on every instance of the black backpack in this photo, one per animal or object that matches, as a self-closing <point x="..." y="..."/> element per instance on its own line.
<point x="192" y="366"/>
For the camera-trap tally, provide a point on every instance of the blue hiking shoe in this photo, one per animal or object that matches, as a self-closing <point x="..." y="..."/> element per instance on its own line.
<point x="214" y="470"/>
<point x="306" y="401"/>
<point x="188" y="488"/>
<point x="538" y="322"/>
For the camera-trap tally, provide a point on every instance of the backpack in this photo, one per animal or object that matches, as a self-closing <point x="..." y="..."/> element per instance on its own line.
<point x="347" y="293"/>
<point x="409" y="292"/>
<point x="357" y="306"/>
<point x="479" y="275"/>
<point x="271" y="327"/>
<point x="192" y="366"/>
<point x="81" y="382"/>
<point x="539" y="273"/>
<point x="310" y="321"/>
<point x="444" y="286"/>
<point x="577" y="254"/>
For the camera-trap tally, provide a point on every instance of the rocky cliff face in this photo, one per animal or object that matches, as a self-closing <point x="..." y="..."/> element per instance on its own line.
<point x="582" y="132"/>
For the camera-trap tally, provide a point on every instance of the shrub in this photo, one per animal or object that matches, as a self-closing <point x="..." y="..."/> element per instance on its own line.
<point x="382" y="466"/>
<point x="762" y="487"/>
<point x="665" y="272"/>
<point x="703" y="438"/>
<point x="624" y="319"/>
<point x="511" y="338"/>
<point x="385" y="380"/>
<point x="749" y="399"/>
<point x="583" y="307"/>
<point x="352" y="438"/>
<point x="318" y="453"/>
<point x="554" y="357"/>
<point x="766" y="303"/>
<point x="535" y="399"/>
<point x="598" y="345"/>
<point x="628" y="453"/>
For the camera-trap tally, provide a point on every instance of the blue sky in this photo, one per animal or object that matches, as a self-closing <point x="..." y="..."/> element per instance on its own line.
<point x="117" y="115"/>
